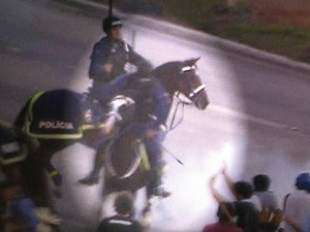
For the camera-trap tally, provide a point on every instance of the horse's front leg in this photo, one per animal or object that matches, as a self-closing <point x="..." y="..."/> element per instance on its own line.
<point x="101" y="151"/>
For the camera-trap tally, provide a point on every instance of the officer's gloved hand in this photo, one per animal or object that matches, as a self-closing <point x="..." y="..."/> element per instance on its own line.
<point x="117" y="102"/>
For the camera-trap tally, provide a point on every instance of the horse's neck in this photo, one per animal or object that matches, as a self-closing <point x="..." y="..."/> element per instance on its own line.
<point x="168" y="85"/>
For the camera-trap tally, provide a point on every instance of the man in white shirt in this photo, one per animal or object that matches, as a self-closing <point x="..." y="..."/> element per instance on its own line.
<point x="297" y="205"/>
<point x="267" y="198"/>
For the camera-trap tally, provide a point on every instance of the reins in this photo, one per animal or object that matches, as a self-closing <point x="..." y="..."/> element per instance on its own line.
<point x="181" y="103"/>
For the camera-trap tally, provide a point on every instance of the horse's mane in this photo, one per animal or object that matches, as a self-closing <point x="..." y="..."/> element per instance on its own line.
<point x="170" y="68"/>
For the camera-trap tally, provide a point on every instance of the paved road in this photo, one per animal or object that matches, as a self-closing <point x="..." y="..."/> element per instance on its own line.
<point x="257" y="121"/>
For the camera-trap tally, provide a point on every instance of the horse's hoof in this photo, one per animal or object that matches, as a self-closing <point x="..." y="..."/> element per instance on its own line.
<point x="89" y="181"/>
<point x="162" y="193"/>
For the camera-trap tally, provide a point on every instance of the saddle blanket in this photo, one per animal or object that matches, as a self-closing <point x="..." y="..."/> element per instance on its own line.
<point x="57" y="114"/>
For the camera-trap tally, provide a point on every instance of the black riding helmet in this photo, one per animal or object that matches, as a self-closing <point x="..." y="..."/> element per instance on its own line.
<point x="110" y="22"/>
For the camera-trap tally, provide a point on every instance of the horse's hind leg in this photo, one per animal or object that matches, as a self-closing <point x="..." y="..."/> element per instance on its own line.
<point x="53" y="174"/>
<point x="43" y="158"/>
<point x="35" y="181"/>
<point x="42" y="166"/>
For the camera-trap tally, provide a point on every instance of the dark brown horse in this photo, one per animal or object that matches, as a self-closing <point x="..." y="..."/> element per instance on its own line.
<point x="125" y="152"/>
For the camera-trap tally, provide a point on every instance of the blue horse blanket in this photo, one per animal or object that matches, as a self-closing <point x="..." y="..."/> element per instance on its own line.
<point x="56" y="114"/>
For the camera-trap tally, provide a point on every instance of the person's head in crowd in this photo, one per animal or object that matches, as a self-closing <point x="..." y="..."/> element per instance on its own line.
<point x="124" y="203"/>
<point x="303" y="181"/>
<point x="261" y="182"/>
<point x="226" y="211"/>
<point x="243" y="190"/>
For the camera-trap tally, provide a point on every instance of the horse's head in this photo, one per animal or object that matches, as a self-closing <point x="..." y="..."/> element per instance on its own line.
<point x="190" y="84"/>
<point x="182" y="77"/>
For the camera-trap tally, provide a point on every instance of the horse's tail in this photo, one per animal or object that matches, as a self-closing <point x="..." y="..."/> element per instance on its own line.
<point x="19" y="124"/>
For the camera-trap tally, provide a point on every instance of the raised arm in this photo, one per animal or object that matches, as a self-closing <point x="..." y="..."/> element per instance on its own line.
<point x="217" y="196"/>
<point x="229" y="181"/>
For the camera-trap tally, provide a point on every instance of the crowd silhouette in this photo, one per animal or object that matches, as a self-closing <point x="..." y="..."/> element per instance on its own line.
<point x="258" y="209"/>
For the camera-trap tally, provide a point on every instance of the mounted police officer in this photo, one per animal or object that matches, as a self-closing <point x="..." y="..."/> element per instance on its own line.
<point x="114" y="67"/>
<point x="112" y="56"/>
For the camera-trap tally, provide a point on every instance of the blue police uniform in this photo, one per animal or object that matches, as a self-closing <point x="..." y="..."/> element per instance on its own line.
<point x="116" y="52"/>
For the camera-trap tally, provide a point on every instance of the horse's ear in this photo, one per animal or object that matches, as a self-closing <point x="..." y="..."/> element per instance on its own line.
<point x="195" y="60"/>
<point x="192" y="61"/>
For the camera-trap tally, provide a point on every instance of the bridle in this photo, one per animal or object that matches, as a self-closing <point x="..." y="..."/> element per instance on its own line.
<point x="182" y="102"/>
<point x="196" y="90"/>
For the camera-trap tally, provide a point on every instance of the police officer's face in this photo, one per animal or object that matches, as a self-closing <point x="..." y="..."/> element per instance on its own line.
<point x="116" y="32"/>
